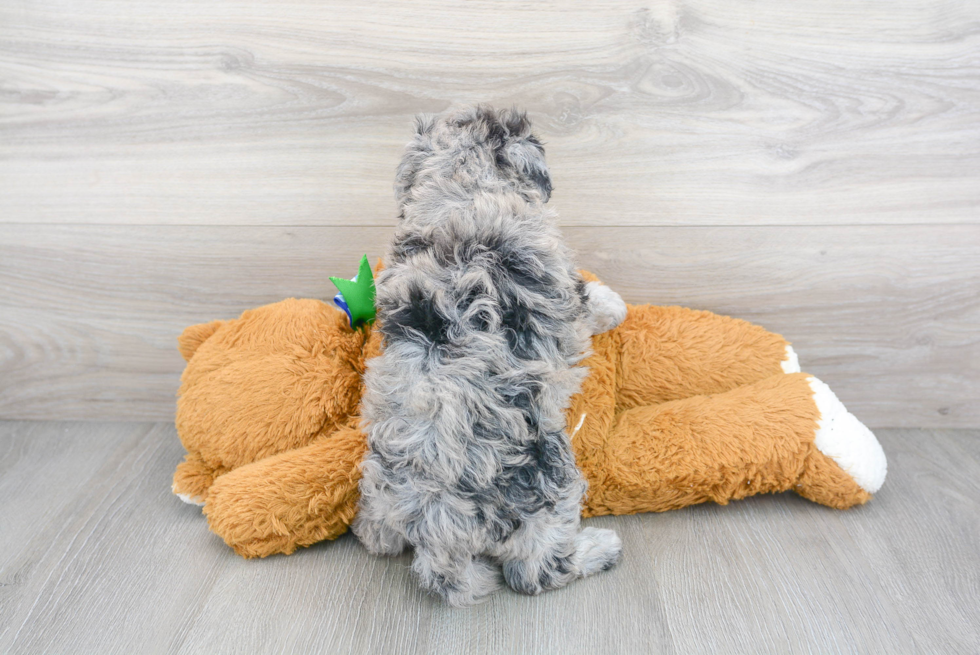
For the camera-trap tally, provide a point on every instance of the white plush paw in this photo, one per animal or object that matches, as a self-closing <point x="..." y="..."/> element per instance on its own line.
<point x="607" y="307"/>
<point x="792" y="363"/>
<point x="847" y="441"/>
<point x="190" y="500"/>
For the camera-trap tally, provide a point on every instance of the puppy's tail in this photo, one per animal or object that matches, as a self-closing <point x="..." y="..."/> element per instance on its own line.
<point x="595" y="550"/>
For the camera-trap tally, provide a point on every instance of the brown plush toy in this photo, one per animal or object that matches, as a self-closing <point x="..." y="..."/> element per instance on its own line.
<point x="680" y="407"/>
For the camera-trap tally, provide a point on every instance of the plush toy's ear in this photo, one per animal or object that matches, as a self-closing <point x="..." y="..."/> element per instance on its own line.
<point x="191" y="338"/>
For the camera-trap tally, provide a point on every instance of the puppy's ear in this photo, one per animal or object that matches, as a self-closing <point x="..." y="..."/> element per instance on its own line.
<point x="415" y="153"/>
<point x="529" y="160"/>
<point x="523" y="152"/>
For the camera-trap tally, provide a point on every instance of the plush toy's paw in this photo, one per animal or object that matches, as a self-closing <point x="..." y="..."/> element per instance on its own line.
<point x="193" y="478"/>
<point x="187" y="498"/>
<point x="289" y="500"/>
<point x="847" y="441"/>
<point x="607" y="307"/>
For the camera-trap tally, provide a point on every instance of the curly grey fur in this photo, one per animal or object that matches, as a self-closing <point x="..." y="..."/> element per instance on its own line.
<point x="485" y="319"/>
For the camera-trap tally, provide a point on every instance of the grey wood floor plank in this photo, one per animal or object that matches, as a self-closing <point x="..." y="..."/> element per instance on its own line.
<point x="44" y="469"/>
<point x="887" y="316"/>
<point x="116" y="569"/>
<point x="98" y="556"/>
<point x="771" y="575"/>
<point x="933" y="549"/>
<point x="696" y="112"/>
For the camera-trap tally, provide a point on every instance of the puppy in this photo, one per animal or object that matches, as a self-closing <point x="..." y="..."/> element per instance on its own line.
<point x="484" y="318"/>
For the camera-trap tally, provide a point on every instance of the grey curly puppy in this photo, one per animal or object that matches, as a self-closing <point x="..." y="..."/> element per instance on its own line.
<point x="485" y="319"/>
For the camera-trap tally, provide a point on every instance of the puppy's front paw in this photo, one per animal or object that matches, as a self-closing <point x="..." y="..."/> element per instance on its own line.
<point x="607" y="307"/>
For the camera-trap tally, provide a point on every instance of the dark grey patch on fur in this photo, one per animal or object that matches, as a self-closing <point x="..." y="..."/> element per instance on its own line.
<point x="418" y="319"/>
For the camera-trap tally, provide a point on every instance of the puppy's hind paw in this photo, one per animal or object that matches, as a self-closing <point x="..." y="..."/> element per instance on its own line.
<point x="458" y="584"/>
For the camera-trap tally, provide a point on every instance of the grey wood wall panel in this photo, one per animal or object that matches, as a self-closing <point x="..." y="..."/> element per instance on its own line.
<point x="887" y="315"/>
<point x="99" y="557"/>
<point x="699" y="112"/>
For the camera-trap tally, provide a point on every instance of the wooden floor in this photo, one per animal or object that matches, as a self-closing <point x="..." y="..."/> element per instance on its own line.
<point x="97" y="556"/>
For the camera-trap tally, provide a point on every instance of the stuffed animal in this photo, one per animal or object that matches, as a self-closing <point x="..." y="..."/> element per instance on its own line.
<point x="680" y="407"/>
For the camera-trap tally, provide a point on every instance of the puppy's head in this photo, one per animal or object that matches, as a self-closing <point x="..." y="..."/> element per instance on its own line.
<point x="476" y="148"/>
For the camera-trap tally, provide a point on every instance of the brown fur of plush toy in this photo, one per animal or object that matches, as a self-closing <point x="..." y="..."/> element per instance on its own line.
<point x="680" y="407"/>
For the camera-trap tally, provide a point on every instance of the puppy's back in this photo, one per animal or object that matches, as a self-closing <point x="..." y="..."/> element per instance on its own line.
<point x="481" y="324"/>
<point x="482" y="313"/>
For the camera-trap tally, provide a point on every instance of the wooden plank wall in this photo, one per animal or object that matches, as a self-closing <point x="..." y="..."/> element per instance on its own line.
<point x="813" y="167"/>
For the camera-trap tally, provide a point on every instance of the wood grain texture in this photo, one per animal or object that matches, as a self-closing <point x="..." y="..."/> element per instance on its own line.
<point x="887" y="316"/>
<point x="98" y="556"/>
<point x="687" y="112"/>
